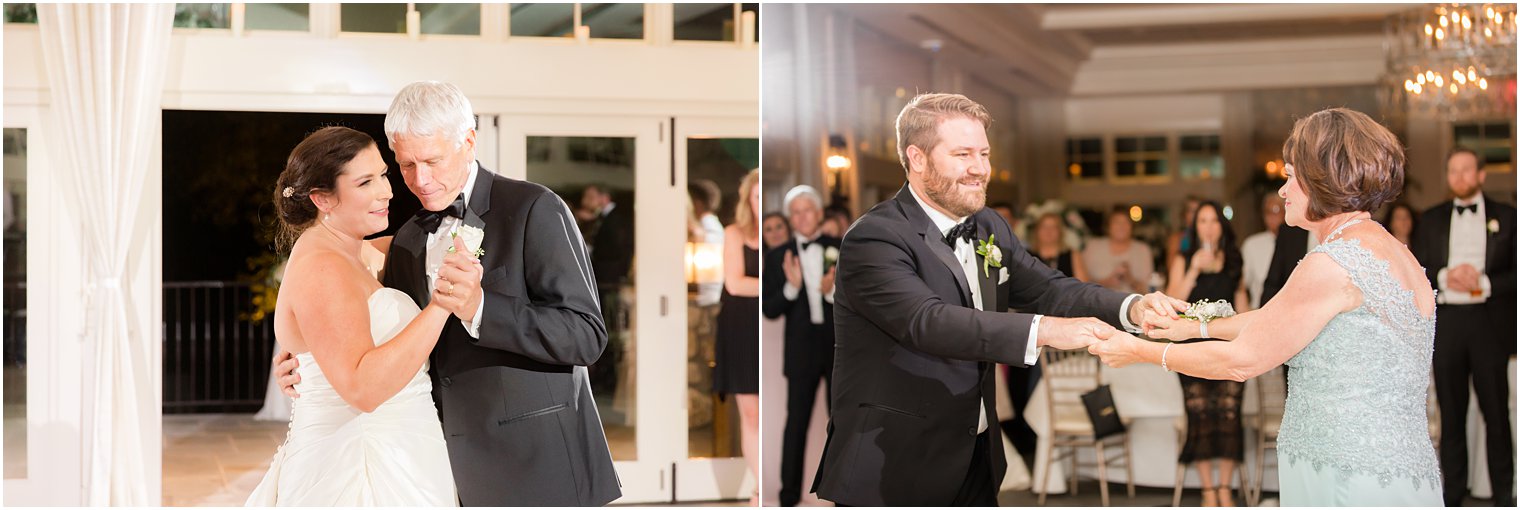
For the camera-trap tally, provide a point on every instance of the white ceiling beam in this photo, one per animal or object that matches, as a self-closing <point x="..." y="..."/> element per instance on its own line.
<point x="1133" y="16"/>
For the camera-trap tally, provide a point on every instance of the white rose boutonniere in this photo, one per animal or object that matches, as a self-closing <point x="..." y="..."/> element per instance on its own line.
<point x="992" y="256"/>
<point x="1493" y="226"/>
<point x="830" y="258"/>
<point x="473" y="236"/>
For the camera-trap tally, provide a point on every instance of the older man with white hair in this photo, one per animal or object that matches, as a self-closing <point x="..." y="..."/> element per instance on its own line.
<point x="509" y="372"/>
<point x="798" y="283"/>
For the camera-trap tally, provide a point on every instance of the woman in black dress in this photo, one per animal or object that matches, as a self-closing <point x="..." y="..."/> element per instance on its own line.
<point x="736" y="370"/>
<point x="1210" y="269"/>
<point x="1046" y="244"/>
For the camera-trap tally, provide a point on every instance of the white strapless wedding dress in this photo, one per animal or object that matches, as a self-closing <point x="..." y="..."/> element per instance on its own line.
<point x="335" y="455"/>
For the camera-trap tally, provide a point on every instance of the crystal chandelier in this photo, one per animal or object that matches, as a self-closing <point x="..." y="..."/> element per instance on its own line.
<point x="1453" y="60"/>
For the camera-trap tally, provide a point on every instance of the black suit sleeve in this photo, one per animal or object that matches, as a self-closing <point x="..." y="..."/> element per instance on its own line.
<point x="878" y="280"/>
<point x="772" y="302"/>
<point x="1421" y="244"/>
<point x="1032" y="285"/>
<point x="1501" y="279"/>
<point x="559" y="321"/>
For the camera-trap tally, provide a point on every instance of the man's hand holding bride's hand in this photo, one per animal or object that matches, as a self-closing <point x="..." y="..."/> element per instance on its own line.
<point x="458" y="289"/>
<point x="1073" y="333"/>
<point x="1120" y="349"/>
<point x="285" y="372"/>
<point x="1155" y="309"/>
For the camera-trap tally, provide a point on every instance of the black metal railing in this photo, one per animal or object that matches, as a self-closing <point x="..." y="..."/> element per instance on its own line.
<point x="215" y="358"/>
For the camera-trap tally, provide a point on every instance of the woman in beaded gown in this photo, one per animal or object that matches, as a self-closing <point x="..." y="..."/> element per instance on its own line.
<point x="1355" y="321"/>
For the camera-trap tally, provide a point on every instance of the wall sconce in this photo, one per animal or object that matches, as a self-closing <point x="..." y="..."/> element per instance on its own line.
<point x="839" y="159"/>
<point x="704" y="263"/>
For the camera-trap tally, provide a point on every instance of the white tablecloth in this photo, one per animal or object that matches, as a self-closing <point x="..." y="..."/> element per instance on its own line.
<point x="1152" y="399"/>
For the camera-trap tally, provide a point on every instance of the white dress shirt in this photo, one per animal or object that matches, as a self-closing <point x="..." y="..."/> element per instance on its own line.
<point x="1468" y="244"/>
<point x="811" y="260"/>
<point x="438" y="247"/>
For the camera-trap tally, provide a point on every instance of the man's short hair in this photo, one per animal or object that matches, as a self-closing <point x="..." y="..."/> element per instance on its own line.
<point x="918" y="123"/>
<point x="1460" y="149"/>
<point x="802" y="191"/>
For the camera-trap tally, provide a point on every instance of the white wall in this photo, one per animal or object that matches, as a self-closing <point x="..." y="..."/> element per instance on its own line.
<point x="1144" y="114"/>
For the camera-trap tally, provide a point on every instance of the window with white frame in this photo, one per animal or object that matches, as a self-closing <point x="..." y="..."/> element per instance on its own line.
<point x="1199" y="157"/>
<point x="1495" y="141"/>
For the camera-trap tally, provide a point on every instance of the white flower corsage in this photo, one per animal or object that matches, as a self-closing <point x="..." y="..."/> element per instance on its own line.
<point x="473" y="236"/>
<point x="1205" y="310"/>
<point x="992" y="256"/>
<point x="1493" y="226"/>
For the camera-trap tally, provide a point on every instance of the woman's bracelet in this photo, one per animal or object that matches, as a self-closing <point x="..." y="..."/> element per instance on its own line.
<point x="1203" y="329"/>
<point x="1163" y="356"/>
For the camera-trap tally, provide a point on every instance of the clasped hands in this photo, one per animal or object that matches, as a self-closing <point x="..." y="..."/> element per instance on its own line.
<point x="458" y="285"/>
<point x="1155" y="313"/>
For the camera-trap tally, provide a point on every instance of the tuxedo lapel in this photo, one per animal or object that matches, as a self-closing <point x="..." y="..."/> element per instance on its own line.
<point x="1442" y="239"/>
<point x="934" y="240"/>
<point x="988" y="283"/>
<point x="1492" y="237"/>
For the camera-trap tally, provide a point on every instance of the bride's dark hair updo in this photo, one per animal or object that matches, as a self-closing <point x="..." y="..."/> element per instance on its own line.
<point x="313" y="166"/>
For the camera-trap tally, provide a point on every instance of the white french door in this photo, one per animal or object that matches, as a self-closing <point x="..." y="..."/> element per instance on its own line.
<point x="43" y="422"/>
<point x="635" y="386"/>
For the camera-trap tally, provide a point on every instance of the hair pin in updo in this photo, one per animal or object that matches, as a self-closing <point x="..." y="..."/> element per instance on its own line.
<point x="288" y="192"/>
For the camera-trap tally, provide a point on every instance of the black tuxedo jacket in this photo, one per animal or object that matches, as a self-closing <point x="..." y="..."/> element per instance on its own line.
<point x="1291" y="246"/>
<point x="914" y="360"/>
<point x="809" y="347"/>
<point x="1432" y="240"/>
<point x="519" y="420"/>
<point x="612" y="247"/>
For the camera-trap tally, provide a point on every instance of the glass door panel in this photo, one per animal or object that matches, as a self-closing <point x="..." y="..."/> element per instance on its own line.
<point x="712" y="158"/>
<point x="616" y="177"/>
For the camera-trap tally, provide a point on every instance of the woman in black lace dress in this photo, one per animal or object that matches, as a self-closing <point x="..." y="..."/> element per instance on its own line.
<point x="736" y="370"/>
<point x="1211" y="269"/>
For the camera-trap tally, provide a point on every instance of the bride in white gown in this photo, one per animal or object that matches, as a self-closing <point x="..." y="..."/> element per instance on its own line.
<point x="365" y="431"/>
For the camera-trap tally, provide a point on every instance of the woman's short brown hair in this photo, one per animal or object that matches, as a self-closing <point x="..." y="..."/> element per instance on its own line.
<point x="1345" y="162"/>
<point x="918" y="123"/>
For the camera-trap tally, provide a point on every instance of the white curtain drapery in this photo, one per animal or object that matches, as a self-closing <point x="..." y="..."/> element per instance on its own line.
<point x="105" y="66"/>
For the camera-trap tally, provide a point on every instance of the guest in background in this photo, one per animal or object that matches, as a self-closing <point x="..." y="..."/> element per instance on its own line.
<point x="1400" y="221"/>
<point x="1256" y="250"/>
<point x="836" y="220"/>
<point x="1211" y="269"/>
<point x="1467" y="246"/>
<point x="799" y="285"/>
<point x="1048" y="246"/>
<point x="611" y="259"/>
<point x="737" y="367"/>
<point x="1005" y="210"/>
<point x="706" y="198"/>
<point x="1176" y="242"/>
<point x="1118" y="261"/>
<point x="777" y="231"/>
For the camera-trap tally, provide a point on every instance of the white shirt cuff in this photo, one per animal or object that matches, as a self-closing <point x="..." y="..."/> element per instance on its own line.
<point x="1124" y="314"/>
<point x="1032" y="347"/>
<point x="789" y="292"/>
<point x="473" y="328"/>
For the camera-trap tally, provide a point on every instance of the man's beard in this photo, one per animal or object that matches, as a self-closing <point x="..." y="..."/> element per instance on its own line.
<point x="942" y="190"/>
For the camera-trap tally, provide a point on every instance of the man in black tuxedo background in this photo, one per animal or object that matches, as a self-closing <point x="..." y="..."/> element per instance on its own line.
<point x="925" y="282"/>
<point x="1467" y="246"/>
<point x="798" y="284"/>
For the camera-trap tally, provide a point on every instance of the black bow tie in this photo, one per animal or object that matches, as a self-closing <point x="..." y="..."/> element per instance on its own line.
<point x="1470" y="208"/>
<point x="965" y="230"/>
<point x="429" y="220"/>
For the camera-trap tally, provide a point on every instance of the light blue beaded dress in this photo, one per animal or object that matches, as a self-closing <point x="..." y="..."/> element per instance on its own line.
<point x="1354" y="432"/>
